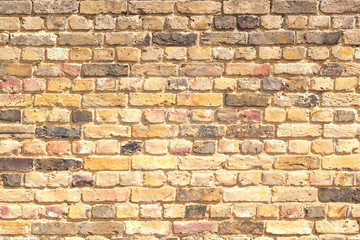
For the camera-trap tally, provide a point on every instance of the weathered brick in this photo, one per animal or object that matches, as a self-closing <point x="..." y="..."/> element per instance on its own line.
<point x="199" y="7"/>
<point x="220" y="38"/>
<point x="202" y="70"/>
<point x="337" y="226"/>
<point x="297" y="162"/>
<point x="53" y="228"/>
<point x="98" y="7"/>
<point x="58" y="195"/>
<point x="14" y="228"/>
<point x="289" y="227"/>
<point x="55" y="6"/>
<point x="107" y="163"/>
<point x="18" y="7"/>
<point x="106" y="131"/>
<point x="241" y="227"/>
<point x="59" y="100"/>
<point x="202" y="131"/>
<point x="195" y="227"/>
<point x="250" y="131"/>
<point x="328" y="38"/>
<point x="58" y="164"/>
<point x="174" y="38"/>
<point x="271" y="37"/>
<point x="248" y="100"/>
<point x="58" y="132"/>
<point x="154" y="131"/>
<point x="148" y="227"/>
<point x="154" y="7"/>
<point x="247" y="69"/>
<point x="153" y="163"/>
<point x="198" y="194"/>
<point x="338" y="6"/>
<point x="294" y="6"/>
<point x="105" y="195"/>
<point x="33" y="39"/>
<point x="247" y="7"/>
<point x="101" y="228"/>
<point x="16" y="131"/>
<point x="16" y="164"/>
<point x="104" y="70"/>
<point x="10" y="115"/>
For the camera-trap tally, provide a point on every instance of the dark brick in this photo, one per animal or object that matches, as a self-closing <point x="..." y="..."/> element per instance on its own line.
<point x="273" y="84"/>
<point x="177" y="84"/>
<point x="81" y="116"/>
<point x="58" y="132"/>
<point x="198" y="195"/>
<point x="131" y="147"/>
<point x="174" y="38"/>
<point x="10" y="115"/>
<point x="339" y="194"/>
<point x="105" y="69"/>
<point x="221" y="38"/>
<point x="241" y="227"/>
<point x="103" y="211"/>
<point x="195" y="211"/>
<point x="224" y="22"/>
<point x="58" y="164"/>
<point x="271" y="37"/>
<point x="227" y="115"/>
<point x="204" y="147"/>
<point x="202" y="131"/>
<point x="11" y="179"/>
<point x="82" y="180"/>
<point x="294" y="6"/>
<point x="345" y="116"/>
<point x="250" y="130"/>
<point x="314" y="211"/>
<point x="247" y="22"/>
<point x="101" y="228"/>
<point x="55" y="6"/>
<point x="297" y="84"/>
<point x="16" y="164"/>
<point x="308" y="100"/>
<point x="248" y="100"/>
<point x="53" y="228"/>
<point x="331" y="69"/>
<point x="327" y="38"/>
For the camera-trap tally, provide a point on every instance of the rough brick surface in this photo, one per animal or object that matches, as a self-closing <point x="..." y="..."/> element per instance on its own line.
<point x="179" y="119"/>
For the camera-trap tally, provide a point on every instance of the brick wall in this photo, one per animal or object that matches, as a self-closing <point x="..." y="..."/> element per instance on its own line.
<point x="191" y="120"/>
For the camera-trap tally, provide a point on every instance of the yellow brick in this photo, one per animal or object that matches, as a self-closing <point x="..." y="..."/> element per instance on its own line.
<point x="126" y="211"/>
<point x="58" y="84"/>
<point x="152" y="99"/>
<point x="348" y="162"/>
<point x="346" y="84"/>
<point x="15" y="100"/>
<point x="154" y="131"/>
<point x="80" y="54"/>
<point x="58" y="100"/>
<point x="223" y="84"/>
<point x="14" y="228"/>
<point x="34" y="115"/>
<point x="58" y="195"/>
<point x="104" y="100"/>
<point x="298" y="115"/>
<point x="128" y="54"/>
<point x="107" y="163"/>
<point x="153" y="163"/>
<point x="106" y="131"/>
<point x="199" y="99"/>
<point x="82" y="85"/>
<point x="275" y="115"/>
<point x="106" y="115"/>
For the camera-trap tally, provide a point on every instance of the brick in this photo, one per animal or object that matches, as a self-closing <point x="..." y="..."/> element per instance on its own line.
<point x="328" y="38"/>
<point x="241" y="227"/>
<point x="247" y="22"/>
<point x="247" y="7"/>
<point x="19" y="7"/>
<point x="297" y="162"/>
<point x="16" y="164"/>
<point x="289" y="227"/>
<point x="55" y="7"/>
<point x="155" y="7"/>
<point x="34" y="39"/>
<point x="153" y="195"/>
<point x="294" y="7"/>
<point x="105" y="195"/>
<point x="53" y="228"/>
<point x="195" y="227"/>
<point x="224" y="22"/>
<point x="58" y="132"/>
<point x="293" y="194"/>
<point x="10" y="115"/>
<point x="101" y="228"/>
<point x="298" y="130"/>
<point x="202" y="70"/>
<point x="174" y="38"/>
<point x="220" y="38"/>
<point x="198" y="194"/>
<point x="58" y="164"/>
<point x="104" y="100"/>
<point x="107" y="163"/>
<point x="16" y="131"/>
<point x="58" y="195"/>
<point x="15" y="69"/>
<point x="339" y="226"/>
<point x="14" y="228"/>
<point x="104" y="70"/>
<point x="98" y="7"/>
<point x="252" y="131"/>
<point x="340" y="162"/>
<point x="135" y="39"/>
<point x="154" y="131"/>
<point x="9" y="23"/>
<point x="153" y="163"/>
<point x="271" y="37"/>
<point x="148" y="227"/>
<point x="328" y="6"/>
<point x="199" y="99"/>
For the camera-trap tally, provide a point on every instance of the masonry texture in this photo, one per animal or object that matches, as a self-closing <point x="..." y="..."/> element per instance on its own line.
<point x="179" y="120"/>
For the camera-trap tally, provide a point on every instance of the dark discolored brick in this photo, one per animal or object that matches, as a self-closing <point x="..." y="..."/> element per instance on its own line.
<point x="227" y="115"/>
<point x="224" y="22"/>
<point x="11" y="179"/>
<point x="82" y="180"/>
<point x="79" y="116"/>
<point x="250" y="130"/>
<point x="195" y="211"/>
<point x="248" y="100"/>
<point x="345" y="116"/>
<point x="58" y="164"/>
<point x="314" y="211"/>
<point x="174" y="38"/>
<point x="331" y="69"/>
<point x="204" y="147"/>
<point x="101" y="228"/>
<point x="53" y="228"/>
<point x="241" y="227"/>
<point x="308" y="100"/>
<point x="177" y="84"/>
<point x="327" y="38"/>
<point x="247" y="22"/>
<point x="202" y="131"/>
<point x="294" y="6"/>
<point x="273" y="84"/>
<point x="55" y="6"/>
<point x="10" y="115"/>
<point x="58" y="132"/>
<point x="130" y="147"/>
<point x="105" y="69"/>
<point x="339" y="194"/>
<point x="103" y="211"/>
<point x="16" y="164"/>
<point x="198" y="194"/>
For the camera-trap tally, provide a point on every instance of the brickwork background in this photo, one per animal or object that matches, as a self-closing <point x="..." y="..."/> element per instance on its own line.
<point x="191" y="120"/>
